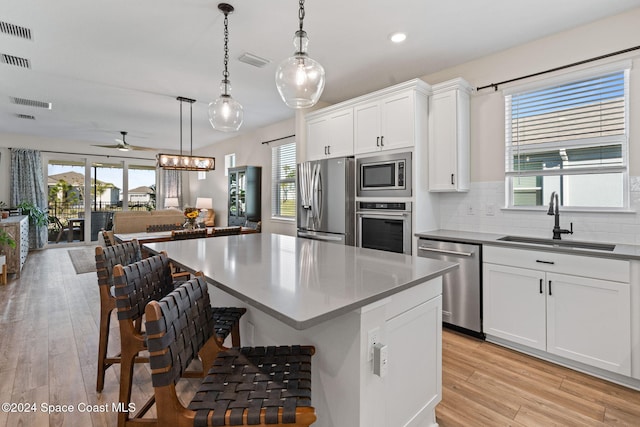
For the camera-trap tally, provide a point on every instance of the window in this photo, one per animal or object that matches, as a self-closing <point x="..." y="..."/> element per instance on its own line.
<point x="283" y="179"/>
<point x="569" y="138"/>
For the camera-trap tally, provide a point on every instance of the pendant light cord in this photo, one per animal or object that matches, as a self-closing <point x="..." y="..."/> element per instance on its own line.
<point x="180" y="126"/>
<point x="301" y="13"/>
<point x="225" y="73"/>
<point x="301" y="18"/>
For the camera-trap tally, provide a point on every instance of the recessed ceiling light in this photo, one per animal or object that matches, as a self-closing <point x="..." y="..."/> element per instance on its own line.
<point x="398" y="37"/>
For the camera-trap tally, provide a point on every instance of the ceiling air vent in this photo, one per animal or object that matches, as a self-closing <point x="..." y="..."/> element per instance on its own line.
<point x="15" y="30"/>
<point x="30" y="102"/>
<point x="251" y="59"/>
<point x="15" y="60"/>
<point x="25" y="116"/>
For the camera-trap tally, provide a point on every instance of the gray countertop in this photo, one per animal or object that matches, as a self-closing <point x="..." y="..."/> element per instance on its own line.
<point x="621" y="251"/>
<point x="299" y="281"/>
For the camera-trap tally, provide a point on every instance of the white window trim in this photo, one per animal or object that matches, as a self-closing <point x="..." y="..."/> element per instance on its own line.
<point x="284" y="219"/>
<point x="563" y="78"/>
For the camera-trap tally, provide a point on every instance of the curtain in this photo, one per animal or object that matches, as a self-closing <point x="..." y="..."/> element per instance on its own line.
<point x="171" y="185"/>
<point x="27" y="185"/>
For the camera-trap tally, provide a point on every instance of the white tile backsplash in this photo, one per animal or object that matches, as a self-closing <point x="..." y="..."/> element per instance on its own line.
<point x="623" y="228"/>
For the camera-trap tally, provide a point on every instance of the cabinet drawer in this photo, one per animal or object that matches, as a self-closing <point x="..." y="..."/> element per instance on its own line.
<point x="577" y="265"/>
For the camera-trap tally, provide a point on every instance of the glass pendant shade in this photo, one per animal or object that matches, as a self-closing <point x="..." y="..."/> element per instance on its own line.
<point x="300" y="79"/>
<point x="225" y="113"/>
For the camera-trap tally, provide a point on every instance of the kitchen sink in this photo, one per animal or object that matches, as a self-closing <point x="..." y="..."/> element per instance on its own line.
<point x="560" y="243"/>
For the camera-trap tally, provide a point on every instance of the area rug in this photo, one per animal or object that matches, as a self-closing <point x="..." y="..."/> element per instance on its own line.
<point x="83" y="260"/>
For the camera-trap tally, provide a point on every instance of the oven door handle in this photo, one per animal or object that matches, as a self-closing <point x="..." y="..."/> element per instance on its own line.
<point x="382" y="215"/>
<point x="445" y="251"/>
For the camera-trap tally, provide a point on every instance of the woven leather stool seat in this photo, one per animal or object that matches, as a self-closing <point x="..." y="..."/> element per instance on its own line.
<point x="247" y="380"/>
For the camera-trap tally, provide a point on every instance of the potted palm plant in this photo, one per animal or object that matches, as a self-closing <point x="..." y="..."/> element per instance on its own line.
<point x="38" y="220"/>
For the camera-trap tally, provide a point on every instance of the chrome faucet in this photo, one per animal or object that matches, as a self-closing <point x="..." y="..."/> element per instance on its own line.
<point x="557" y="231"/>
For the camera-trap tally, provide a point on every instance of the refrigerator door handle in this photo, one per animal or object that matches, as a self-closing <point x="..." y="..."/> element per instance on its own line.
<point x="316" y="196"/>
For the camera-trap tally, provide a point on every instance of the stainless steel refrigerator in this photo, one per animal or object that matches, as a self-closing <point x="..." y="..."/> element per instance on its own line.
<point x="326" y="204"/>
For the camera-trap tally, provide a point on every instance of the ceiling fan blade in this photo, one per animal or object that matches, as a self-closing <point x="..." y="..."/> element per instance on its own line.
<point x="126" y="147"/>
<point x="108" y="146"/>
<point x="138" y="148"/>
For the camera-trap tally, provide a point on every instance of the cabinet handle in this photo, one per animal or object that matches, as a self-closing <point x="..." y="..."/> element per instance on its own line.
<point x="378" y="142"/>
<point x="382" y="141"/>
<point x="550" y="287"/>
<point x="325" y="149"/>
<point x="545" y="262"/>
<point x="452" y="182"/>
<point x="329" y="149"/>
<point x="541" y="291"/>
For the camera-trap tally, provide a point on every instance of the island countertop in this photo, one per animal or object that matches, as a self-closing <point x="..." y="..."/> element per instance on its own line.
<point x="301" y="282"/>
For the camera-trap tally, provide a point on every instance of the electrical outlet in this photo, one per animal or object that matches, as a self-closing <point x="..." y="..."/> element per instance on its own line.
<point x="380" y="360"/>
<point x="373" y="338"/>
<point x="491" y="209"/>
<point x="470" y="210"/>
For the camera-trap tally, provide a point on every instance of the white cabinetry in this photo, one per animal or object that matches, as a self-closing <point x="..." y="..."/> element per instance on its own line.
<point x="386" y="123"/>
<point x="449" y="136"/>
<point x="330" y="134"/>
<point x="575" y="307"/>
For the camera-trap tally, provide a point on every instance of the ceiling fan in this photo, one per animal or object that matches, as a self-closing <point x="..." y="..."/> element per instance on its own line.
<point x="122" y="145"/>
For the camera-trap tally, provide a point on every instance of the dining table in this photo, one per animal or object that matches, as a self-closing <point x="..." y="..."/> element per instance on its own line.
<point x="374" y="317"/>
<point x="165" y="236"/>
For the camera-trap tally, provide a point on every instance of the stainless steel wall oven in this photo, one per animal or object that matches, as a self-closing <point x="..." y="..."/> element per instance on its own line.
<point x="384" y="225"/>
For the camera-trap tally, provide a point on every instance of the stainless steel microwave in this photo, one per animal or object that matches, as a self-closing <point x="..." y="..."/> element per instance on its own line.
<point x="386" y="175"/>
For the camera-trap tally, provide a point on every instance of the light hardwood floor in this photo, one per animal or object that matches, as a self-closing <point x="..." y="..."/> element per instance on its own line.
<point x="48" y="347"/>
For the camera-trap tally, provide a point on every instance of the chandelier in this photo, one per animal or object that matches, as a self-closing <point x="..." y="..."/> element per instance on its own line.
<point x="183" y="161"/>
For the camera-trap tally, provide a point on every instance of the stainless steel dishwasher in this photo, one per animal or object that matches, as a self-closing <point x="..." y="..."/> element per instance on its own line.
<point x="461" y="288"/>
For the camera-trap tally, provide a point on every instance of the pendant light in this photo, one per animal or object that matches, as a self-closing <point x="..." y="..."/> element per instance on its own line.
<point x="225" y="113"/>
<point x="300" y="79"/>
<point x="183" y="161"/>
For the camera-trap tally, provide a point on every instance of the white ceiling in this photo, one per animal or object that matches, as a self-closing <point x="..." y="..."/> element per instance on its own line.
<point x="119" y="65"/>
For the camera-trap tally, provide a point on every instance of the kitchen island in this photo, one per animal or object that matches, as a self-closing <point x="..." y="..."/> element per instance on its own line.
<point x="339" y="299"/>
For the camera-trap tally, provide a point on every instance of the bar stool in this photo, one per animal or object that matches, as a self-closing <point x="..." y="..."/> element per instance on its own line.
<point x="245" y="386"/>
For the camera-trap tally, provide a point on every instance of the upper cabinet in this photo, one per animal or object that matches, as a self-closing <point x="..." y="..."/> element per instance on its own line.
<point x="449" y="136"/>
<point x="385" y="123"/>
<point x="330" y="134"/>
<point x="394" y="117"/>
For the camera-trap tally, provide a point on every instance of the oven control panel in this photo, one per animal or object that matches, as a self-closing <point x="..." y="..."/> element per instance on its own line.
<point x="390" y="206"/>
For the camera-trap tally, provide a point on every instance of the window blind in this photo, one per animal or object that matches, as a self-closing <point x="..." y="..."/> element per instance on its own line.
<point x="575" y="126"/>
<point x="283" y="193"/>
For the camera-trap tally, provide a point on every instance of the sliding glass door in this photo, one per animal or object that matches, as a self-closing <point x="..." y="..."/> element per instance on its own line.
<point x="66" y="189"/>
<point x="84" y="193"/>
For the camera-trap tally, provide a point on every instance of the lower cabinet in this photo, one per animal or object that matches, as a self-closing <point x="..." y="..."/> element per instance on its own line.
<point x="584" y="319"/>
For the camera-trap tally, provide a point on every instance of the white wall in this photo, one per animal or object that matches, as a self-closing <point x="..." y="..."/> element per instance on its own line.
<point x="249" y="151"/>
<point x="471" y="211"/>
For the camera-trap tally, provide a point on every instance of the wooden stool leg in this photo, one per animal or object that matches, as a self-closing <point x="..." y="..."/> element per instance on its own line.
<point x="126" y="381"/>
<point x="3" y="277"/>
<point x="103" y="345"/>
<point x="235" y="335"/>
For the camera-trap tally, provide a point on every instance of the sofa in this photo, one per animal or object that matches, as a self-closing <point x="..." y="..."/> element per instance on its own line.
<point x="137" y="221"/>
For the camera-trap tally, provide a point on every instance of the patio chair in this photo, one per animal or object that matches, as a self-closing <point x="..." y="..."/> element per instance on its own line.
<point x="63" y="230"/>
